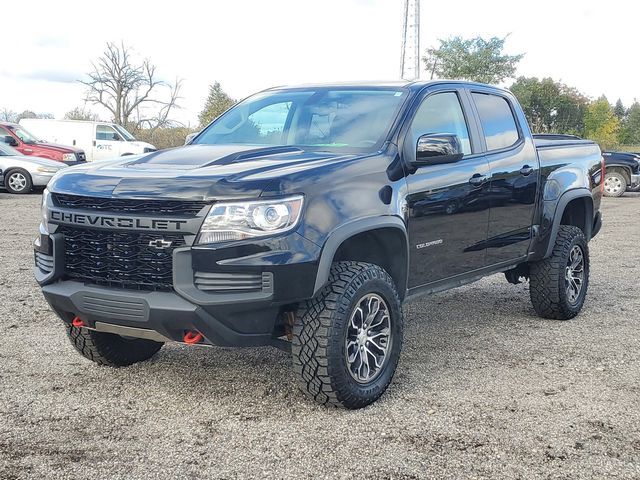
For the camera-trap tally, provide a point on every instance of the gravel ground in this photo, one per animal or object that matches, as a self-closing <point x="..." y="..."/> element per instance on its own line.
<point x="484" y="389"/>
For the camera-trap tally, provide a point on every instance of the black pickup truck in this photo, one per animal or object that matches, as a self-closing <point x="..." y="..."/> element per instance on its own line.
<point x="304" y="217"/>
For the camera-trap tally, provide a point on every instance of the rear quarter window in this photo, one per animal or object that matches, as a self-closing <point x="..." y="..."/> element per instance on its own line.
<point x="498" y="124"/>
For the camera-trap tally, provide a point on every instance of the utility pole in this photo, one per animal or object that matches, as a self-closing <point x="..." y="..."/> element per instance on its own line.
<point x="410" y="55"/>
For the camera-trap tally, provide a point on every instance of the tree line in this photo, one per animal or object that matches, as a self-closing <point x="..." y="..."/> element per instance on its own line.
<point x="549" y="105"/>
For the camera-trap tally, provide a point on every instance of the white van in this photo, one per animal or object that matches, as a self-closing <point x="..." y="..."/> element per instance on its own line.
<point x="100" y="140"/>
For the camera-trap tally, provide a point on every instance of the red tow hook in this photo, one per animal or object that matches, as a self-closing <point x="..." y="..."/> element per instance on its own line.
<point x="191" y="337"/>
<point x="77" y="322"/>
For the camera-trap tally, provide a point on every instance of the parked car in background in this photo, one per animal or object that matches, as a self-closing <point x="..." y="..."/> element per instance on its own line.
<point x="623" y="173"/>
<point x="26" y="143"/>
<point x="20" y="173"/>
<point x="100" y="140"/>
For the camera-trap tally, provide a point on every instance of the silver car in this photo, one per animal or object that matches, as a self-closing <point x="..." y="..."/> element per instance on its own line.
<point x="20" y="173"/>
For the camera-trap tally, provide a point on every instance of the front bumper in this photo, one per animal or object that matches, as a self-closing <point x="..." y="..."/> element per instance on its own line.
<point x="166" y="313"/>
<point x="287" y="266"/>
<point x="41" y="180"/>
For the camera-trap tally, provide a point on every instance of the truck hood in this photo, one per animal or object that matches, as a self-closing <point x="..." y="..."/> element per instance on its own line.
<point x="193" y="172"/>
<point x="141" y="145"/>
<point x="58" y="148"/>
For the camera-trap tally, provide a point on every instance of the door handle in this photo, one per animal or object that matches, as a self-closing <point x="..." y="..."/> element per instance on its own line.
<point x="27" y="150"/>
<point x="526" y="170"/>
<point x="478" y="180"/>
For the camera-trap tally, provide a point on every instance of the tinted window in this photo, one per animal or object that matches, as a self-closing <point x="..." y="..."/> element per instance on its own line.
<point x="497" y="120"/>
<point x="441" y="113"/>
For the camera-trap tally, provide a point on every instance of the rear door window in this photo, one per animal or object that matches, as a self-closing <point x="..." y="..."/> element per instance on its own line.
<point x="498" y="123"/>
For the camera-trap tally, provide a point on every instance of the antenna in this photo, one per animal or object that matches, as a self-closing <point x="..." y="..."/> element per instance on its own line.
<point x="410" y="55"/>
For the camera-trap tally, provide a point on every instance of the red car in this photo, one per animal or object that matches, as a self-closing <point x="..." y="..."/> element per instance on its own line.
<point x="17" y="137"/>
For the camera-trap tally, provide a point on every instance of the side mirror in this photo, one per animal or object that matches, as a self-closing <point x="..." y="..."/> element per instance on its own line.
<point x="190" y="137"/>
<point x="436" y="148"/>
<point x="9" y="140"/>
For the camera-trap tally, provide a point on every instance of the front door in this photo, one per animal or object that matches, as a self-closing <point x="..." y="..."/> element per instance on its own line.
<point x="107" y="143"/>
<point x="447" y="203"/>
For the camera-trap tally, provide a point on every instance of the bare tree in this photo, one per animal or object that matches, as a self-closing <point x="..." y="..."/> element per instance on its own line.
<point x="7" y="115"/>
<point x="128" y="88"/>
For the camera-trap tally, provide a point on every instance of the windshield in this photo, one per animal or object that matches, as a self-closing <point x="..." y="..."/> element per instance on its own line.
<point x="127" y="136"/>
<point x="7" y="151"/>
<point x="24" y="135"/>
<point x="322" y="119"/>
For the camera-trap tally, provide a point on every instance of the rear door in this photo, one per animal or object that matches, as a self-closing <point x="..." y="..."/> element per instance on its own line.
<point x="515" y="175"/>
<point x="447" y="203"/>
<point x="107" y="142"/>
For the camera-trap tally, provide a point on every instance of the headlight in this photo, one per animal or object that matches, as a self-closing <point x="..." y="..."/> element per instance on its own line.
<point x="46" y="169"/>
<point x="44" y="209"/>
<point x="230" y="221"/>
<point x="68" y="157"/>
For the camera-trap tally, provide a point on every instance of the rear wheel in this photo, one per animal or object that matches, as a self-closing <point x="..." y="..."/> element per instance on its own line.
<point x="18" y="181"/>
<point x="347" y="339"/>
<point x="614" y="184"/>
<point x="558" y="284"/>
<point x="111" y="349"/>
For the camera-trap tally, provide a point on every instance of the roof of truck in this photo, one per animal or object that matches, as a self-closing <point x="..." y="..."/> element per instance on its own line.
<point x="414" y="85"/>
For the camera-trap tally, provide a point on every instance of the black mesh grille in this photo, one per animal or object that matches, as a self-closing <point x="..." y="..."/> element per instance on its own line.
<point x="175" y="207"/>
<point x="119" y="259"/>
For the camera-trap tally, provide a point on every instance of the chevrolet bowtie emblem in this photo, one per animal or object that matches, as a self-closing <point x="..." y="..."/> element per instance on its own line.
<point x="160" y="243"/>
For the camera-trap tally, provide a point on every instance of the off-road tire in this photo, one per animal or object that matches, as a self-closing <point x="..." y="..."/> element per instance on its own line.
<point x="615" y="176"/>
<point x="319" y="333"/>
<point x="547" y="286"/>
<point x="110" y="349"/>
<point x="28" y="183"/>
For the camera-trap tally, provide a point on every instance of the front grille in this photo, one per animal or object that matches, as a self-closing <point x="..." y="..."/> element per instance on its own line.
<point x="119" y="259"/>
<point x="173" y="207"/>
<point x="81" y="156"/>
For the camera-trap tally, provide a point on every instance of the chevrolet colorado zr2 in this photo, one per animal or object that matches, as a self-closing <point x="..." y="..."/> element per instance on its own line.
<point x="304" y="217"/>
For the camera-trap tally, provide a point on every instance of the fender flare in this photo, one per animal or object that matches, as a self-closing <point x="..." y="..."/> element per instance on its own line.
<point x="561" y="205"/>
<point x="348" y="230"/>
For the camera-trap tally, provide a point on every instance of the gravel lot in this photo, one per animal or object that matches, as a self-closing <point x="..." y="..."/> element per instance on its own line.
<point x="484" y="389"/>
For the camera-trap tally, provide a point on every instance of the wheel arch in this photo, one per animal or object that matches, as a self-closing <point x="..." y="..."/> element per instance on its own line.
<point x="379" y="240"/>
<point x="624" y="170"/>
<point x="574" y="207"/>
<point x="7" y="173"/>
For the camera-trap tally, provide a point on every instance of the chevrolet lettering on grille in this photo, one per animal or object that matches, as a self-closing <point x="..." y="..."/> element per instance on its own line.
<point x="108" y="221"/>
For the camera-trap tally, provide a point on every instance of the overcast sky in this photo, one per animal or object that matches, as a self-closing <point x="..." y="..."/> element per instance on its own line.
<point x="249" y="45"/>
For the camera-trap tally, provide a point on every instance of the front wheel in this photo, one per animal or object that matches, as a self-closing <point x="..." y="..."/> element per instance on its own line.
<point x="347" y="339"/>
<point x="614" y="184"/>
<point x="18" y="181"/>
<point x="110" y="349"/>
<point x="558" y="284"/>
